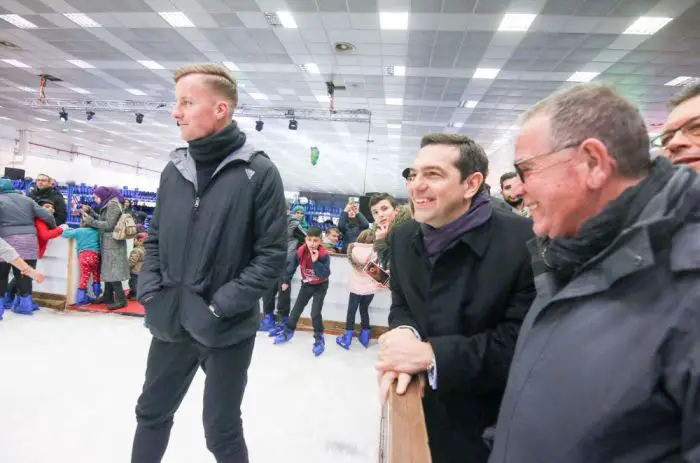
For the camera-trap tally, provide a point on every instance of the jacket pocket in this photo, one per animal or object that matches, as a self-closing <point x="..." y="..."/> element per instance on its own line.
<point x="163" y="315"/>
<point x="211" y="331"/>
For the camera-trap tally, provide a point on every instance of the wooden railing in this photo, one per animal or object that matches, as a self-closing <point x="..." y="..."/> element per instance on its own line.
<point x="403" y="436"/>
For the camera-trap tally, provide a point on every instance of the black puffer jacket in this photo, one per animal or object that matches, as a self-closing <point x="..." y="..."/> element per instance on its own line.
<point x="56" y="198"/>
<point x="226" y="248"/>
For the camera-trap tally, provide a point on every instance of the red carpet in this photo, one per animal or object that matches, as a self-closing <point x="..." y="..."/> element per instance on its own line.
<point x="134" y="309"/>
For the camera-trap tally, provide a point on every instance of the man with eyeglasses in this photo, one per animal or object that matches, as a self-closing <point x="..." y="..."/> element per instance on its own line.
<point x="680" y="138"/>
<point x="45" y="190"/>
<point x="606" y="365"/>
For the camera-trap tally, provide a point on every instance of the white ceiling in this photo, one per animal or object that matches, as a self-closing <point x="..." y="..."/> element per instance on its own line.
<point x="445" y="42"/>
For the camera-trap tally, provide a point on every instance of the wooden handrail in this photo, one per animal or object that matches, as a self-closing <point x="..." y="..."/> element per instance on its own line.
<point x="403" y="435"/>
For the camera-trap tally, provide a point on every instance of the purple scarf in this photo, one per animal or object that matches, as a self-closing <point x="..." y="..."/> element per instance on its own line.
<point x="106" y="194"/>
<point x="438" y="240"/>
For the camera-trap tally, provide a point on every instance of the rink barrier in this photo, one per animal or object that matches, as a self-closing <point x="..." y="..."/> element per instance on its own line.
<point x="403" y="435"/>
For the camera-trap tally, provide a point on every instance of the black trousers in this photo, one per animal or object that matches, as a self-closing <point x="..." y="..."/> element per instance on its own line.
<point x="306" y="292"/>
<point x="362" y="302"/>
<point x="169" y="372"/>
<point x="284" y="300"/>
<point x="24" y="283"/>
<point x="133" y="282"/>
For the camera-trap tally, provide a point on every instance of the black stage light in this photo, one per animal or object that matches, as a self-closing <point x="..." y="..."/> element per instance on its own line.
<point x="259" y="126"/>
<point x="139" y="118"/>
<point x="293" y="124"/>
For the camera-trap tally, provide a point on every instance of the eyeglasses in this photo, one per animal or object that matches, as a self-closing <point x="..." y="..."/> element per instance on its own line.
<point x="522" y="171"/>
<point x="691" y="129"/>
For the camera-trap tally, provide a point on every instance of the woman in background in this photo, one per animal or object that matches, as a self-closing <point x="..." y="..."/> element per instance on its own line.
<point x="115" y="262"/>
<point x="17" y="214"/>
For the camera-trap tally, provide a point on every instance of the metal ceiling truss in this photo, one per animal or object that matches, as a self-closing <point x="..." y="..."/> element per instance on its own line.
<point x="254" y="112"/>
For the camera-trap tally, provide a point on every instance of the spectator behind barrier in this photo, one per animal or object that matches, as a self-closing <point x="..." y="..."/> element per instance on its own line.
<point x="45" y="190"/>
<point x="680" y="136"/>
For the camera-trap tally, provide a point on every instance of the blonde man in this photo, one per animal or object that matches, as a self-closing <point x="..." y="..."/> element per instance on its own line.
<point x="216" y="244"/>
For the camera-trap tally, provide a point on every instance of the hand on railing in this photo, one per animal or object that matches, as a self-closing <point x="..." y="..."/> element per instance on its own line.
<point x="403" y="435"/>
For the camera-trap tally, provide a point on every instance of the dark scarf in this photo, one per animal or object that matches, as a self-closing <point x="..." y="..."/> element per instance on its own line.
<point x="563" y="256"/>
<point x="208" y="152"/>
<point x="437" y="240"/>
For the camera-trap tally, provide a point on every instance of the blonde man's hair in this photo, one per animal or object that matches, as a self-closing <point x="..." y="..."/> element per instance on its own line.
<point x="217" y="76"/>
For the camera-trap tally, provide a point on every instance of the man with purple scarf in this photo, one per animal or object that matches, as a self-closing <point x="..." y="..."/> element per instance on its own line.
<point x="461" y="284"/>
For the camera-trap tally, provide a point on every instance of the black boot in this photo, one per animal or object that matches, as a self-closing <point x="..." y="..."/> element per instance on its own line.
<point x="107" y="297"/>
<point x="119" y="298"/>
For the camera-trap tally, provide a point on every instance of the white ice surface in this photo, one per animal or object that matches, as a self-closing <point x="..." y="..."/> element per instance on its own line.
<point x="69" y="383"/>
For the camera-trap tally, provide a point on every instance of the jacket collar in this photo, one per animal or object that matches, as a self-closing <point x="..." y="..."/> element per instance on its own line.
<point x="186" y="165"/>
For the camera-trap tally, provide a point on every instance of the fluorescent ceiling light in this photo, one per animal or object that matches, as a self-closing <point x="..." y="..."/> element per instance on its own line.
<point x="135" y="91"/>
<point x="647" y="25"/>
<point x="582" y="76"/>
<point x="311" y="68"/>
<point x="323" y="98"/>
<point x="81" y="64"/>
<point x="287" y="19"/>
<point x="79" y="90"/>
<point x="231" y="66"/>
<point x="176" y="18"/>
<point x="18" y="21"/>
<point x="399" y="70"/>
<point x="78" y="130"/>
<point x="82" y="20"/>
<point x="516" y="22"/>
<point x="258" y="96"/>
<point x="485" y="73"/>
<point x="26" y="89"/>
<point x="458" y="125"/>
<point x="393" y="20"/>
<point x="393" y="126"/>
<point x="5" y="118"/>
<point x="16" y="63"/>
<point x="150" y="64"/>
<point x="158" y="124"/>
<point x="680" y="81"/>
<point x="394" y="136"/>
<point x="394" y="101"/>
<point x="41" y="119"/>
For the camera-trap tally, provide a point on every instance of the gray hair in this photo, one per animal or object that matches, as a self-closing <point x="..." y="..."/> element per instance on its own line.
<point x="688" y="92"/>
<point x="598" y="111"/>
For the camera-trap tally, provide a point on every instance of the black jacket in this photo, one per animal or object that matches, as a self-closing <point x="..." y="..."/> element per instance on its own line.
<point x="469" y="306"/>
<point x="225" y="248"/>
<point x="351" y="229"/>
<point x="56" y="197"/>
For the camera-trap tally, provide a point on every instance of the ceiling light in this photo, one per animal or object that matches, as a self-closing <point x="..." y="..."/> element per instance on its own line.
<point x="89" y="114"/>
<point x="150" y="64"/>
<point x="135" y="91"/>
<point x="293" y="124"/>
<point x="394" y="101"/>
<point x="456" y="125"/>
<point x="582" y="76"/>
<point x="63" y="115"/>
<point x="258" y="96"/>
<point x="139" y="118"/>
<point x="80" y="90"/>
<point x="5" y="118"/>
<point x="78" y="130"/>
<point x="469" y="104"/>
<point x="393" y="20"/>
<point x="310" y="68"/>
<point x="393" y="126"/>
<point x="18" y="21"/>
<point x="399" y="70"/>
<point x="485" y="73"/>
<point x="231" y="66"/>
<point x="158" y="124"/>
<point x="81" y="19"/>
<point x="287" y="19"/>
<point x="259" y="125"/>
<point x="81" y="64"/>
<point x="647" y="25"/>
<point x="516" y="22"/>
<point x="176" y="18"/>
<point x="394" y="136"/>
<point x="681" y="81"/>
<point x="16" y="63"/>
<point x="26" y="89"/>
<point x="41" y="119"/>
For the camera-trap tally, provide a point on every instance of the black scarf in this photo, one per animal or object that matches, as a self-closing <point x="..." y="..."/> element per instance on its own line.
<point x="563" y="256"/>
<point x="208" y="152"/>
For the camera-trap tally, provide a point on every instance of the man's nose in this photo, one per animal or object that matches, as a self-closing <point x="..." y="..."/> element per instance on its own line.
<point x="518" y="188"/>
<point x="678" y="143"/>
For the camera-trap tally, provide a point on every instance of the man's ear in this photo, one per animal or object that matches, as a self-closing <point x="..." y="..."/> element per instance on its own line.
<point x="472" y="184"/>
<point x="222" y="109"/>
<point x="599" y="164"/>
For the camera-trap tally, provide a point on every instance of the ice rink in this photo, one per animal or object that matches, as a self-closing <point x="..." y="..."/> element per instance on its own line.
<point x="69" y="383"/>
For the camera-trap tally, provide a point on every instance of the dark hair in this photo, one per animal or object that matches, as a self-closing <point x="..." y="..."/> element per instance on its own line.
<point x="598" y="111"/>
<point x="314" y="232"/>
<point x="688" y="92"/>
<point x="472" y="157"/>
<point x="333" y="229"/>
<point x="379" y="197"/>
<point x="507" y="176"/>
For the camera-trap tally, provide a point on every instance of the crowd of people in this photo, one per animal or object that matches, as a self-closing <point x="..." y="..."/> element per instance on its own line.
<point x="557" y="323"/>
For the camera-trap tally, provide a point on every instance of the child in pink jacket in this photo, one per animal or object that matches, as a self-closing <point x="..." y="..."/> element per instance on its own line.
<point x="362" y="289"/>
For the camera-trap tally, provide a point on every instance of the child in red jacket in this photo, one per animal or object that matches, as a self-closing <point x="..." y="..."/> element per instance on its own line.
<point x="43" y="233"/>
